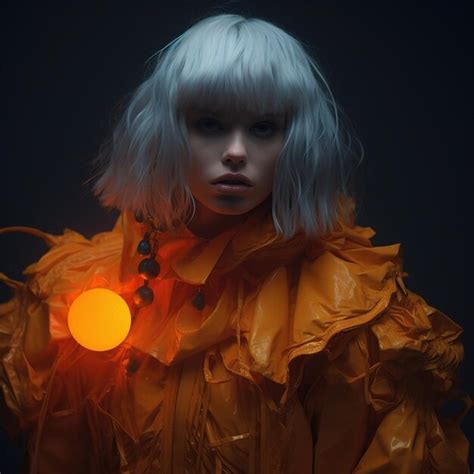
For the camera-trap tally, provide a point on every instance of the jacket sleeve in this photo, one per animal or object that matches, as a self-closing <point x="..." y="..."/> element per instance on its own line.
<point x="376" y="405"/>
<point x="27" y="349"/>
<point x="26" y="354"/>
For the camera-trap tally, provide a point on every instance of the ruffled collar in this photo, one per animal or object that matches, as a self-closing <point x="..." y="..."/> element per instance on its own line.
<point x="189" y="258"/>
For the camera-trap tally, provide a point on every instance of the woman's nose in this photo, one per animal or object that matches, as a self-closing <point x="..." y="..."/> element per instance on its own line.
<point x="236" y="150"/>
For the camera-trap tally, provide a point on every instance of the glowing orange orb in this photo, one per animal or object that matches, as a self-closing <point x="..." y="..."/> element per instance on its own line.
<point x="99" y="319"/>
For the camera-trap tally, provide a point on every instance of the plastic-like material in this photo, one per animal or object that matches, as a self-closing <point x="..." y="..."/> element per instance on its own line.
<point x="308" y="356"/>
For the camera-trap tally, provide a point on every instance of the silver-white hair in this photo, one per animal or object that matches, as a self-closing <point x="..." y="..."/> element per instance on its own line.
<point x="230" y="61"/>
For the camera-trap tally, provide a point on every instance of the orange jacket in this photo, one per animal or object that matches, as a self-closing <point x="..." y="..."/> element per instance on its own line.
<point x="309" y="356"/>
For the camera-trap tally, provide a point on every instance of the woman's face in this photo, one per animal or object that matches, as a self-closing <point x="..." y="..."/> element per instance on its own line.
<point x="224" y="142"/>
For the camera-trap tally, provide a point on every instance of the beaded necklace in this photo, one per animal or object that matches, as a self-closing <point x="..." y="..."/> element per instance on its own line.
<point x="149" y="268"/>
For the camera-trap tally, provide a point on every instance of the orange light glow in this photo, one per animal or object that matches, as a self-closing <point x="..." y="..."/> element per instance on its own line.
<point x="99" y="319"/>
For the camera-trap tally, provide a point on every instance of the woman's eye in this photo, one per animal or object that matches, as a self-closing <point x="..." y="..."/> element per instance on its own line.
<point x="264" y="129"/>
<point x="208" y="125"/>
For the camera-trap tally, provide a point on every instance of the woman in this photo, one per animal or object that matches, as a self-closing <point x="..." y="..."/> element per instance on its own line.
<point x="269" y="335"/>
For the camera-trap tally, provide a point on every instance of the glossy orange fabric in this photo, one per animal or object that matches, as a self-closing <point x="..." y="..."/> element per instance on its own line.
<point x="309" y="356"/>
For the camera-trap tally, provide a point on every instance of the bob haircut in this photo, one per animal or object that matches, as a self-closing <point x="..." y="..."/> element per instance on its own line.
<point x="236" y="63"/>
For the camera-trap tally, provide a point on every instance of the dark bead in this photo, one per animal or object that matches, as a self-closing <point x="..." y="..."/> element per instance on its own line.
<point x="198" y="300"/>
<point x="132" y="366"/>
<point x="149" y="269"/>
<point x="143" y="296"/>
<point x="144" y="247"/>
<point x="139" y="216"/>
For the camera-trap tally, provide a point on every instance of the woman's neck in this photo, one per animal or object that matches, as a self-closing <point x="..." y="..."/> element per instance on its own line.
<point x="207" y="224"/>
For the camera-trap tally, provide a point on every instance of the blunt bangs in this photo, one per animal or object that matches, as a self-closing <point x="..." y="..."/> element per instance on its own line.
<point x="247" y="69"/>
<point x="234" y="63"/>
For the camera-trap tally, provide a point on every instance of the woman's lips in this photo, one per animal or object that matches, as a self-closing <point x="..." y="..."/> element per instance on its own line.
<point x="228" y="188"/>
<point x="233" y="178"/>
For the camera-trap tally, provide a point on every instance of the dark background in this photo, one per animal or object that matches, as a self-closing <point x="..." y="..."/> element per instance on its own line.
<point x="402" y="73"/>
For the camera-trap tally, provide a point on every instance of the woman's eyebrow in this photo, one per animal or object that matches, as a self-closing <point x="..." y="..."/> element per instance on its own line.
<point x="219" y="113"/>
<point x="204" y="110"/>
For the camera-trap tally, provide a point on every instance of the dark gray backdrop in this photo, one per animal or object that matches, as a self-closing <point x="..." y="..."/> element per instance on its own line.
<point x="402" y="73"/>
